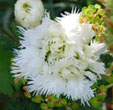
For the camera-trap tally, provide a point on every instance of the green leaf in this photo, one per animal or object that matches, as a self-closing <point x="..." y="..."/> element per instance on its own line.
<point x="110" y="79"/>
<point x="75" y="106"/>
<point x="97" y="6"/>
<point x="50" y="104"/>
<point x="44" y="106"/>
<point x="54" y="98"/>
<point x="95" y="102"/>
<point x="37" y="99"/>
<point x="27" y="94"/>
<point x="101" y="96"/>
<point x="6" y="80"/>
<point x="58" y="104"/>
<point x="63" y="101"/>
<point x="84" y="8"/>
<point x="100" y="12"/>
<point x="103" y="88"/>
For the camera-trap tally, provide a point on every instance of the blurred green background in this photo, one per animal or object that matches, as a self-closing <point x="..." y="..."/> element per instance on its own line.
<point x="11" y="93"/>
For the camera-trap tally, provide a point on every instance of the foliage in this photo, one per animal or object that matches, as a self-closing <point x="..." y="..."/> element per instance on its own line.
<point x="21" y="104"/>
<point x="94" y="14"/>
<point x="108" y="22"/>
<point x="5" y="78"/>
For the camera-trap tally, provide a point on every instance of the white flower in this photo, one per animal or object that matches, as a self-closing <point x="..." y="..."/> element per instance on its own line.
<point x="47" y="84"/>
<point x="79" y="89"/>
<point x="29" y="12"/>
<point x="60" y="59"/>
<point x="73" y="28"/>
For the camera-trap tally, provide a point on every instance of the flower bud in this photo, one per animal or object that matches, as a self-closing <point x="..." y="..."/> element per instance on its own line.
<point x="28" y="13"/>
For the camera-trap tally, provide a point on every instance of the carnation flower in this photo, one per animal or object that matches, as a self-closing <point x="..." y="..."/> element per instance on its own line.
<point x="60" y="58"/>
<point x="28" y="13"/>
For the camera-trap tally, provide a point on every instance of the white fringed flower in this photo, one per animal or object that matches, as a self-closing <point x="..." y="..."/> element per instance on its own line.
<point x="60" y="58"/>
<point x="29" y="12"/>
<point x="74" y="30"/>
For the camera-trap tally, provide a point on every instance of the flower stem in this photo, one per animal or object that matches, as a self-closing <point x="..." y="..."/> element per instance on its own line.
<point x="109" y="86"/>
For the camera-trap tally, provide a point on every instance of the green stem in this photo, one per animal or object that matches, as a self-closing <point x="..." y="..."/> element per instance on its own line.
<point x="109" y="86"/>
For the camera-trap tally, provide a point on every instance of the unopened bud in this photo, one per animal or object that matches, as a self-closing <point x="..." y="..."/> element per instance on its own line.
<point x="28" y="13"/>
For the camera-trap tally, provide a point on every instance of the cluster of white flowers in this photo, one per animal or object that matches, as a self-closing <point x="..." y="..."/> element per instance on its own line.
<point x="60" y="57"/>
